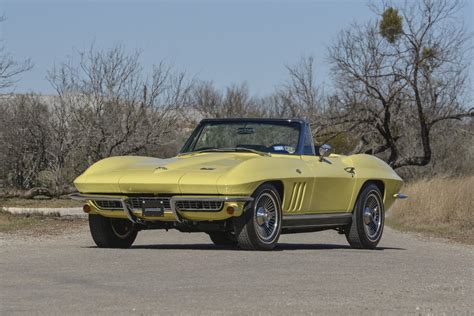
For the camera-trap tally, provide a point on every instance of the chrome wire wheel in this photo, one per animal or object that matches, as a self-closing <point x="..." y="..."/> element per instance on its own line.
<point x="266" y="218"/>
<point x="121" y="228"/>
<point x="372" y="216"/>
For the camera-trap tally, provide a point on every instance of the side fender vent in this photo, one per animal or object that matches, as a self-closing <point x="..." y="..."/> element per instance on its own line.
<point x="297" y="196"/>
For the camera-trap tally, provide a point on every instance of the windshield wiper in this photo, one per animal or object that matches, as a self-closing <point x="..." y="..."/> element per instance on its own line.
<point x="235" y="149"/>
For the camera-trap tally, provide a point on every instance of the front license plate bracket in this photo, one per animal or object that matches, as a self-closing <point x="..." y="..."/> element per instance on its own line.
<point x="153" y="208"/>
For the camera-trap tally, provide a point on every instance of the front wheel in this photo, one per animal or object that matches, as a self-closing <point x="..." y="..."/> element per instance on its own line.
<point x="112" y="232"/>
<point x="223" y="239"/>
<point x="368" y="219"/>
<point x="260" y="226"/>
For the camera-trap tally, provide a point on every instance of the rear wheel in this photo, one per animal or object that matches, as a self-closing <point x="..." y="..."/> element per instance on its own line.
<point x="368" y="219"/>
<point x="260" y="226"/>
<point x="223" y="239"/>
<point x="111" y="232"/>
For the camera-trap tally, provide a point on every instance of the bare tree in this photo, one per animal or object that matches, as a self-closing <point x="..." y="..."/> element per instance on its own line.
<point x="207" y="101"/>
<point x="106" y="106"/>
<point x="114" y="108"/>
<point x="24" y="140"/>
<point x="10" y="69"/>
<point x="407" y="70"/>
<point x="299" y="96"/>
<point x="235" y="102"/>
<point x="453" y="151"/>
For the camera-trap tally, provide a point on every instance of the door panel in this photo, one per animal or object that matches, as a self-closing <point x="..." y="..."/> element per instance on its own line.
<point x="332" y="186"/>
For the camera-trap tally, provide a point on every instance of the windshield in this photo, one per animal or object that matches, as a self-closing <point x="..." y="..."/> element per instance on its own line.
<point x="269" y="137"/>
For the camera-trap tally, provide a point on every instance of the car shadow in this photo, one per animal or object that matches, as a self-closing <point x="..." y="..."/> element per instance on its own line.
<point x="279" y="247"/>
<point x="289" y="246"/>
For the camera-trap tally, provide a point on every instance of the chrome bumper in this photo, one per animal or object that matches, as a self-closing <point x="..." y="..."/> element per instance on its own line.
<point x="129" y="211"/>
<point x="400" y="196"/>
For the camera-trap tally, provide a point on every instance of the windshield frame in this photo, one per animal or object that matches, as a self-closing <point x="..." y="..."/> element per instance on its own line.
<point x="197" y="131"/>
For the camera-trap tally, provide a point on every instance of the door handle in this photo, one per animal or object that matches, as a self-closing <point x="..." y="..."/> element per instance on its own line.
<point x="350" y="170"/>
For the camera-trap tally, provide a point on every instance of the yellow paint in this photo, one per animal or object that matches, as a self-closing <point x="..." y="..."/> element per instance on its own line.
<point x="309" y="185"/>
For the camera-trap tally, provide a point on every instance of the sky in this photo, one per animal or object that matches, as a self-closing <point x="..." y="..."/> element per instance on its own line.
<point x="222" y="41"/>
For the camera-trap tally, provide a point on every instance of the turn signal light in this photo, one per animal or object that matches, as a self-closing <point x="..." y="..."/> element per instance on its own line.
<point x="230" y="210"/>
<point x="86" y="208"/>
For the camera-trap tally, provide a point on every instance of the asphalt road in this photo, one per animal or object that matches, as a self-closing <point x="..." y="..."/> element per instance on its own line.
<point x="178" y="273"/>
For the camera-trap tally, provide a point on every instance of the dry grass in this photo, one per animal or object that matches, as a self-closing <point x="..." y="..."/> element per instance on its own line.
<point x="441" y="207"/>
<point x="36" y="224"/>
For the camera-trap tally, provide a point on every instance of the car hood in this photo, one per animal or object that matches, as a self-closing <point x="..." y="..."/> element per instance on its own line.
<point x="187" y="174"/>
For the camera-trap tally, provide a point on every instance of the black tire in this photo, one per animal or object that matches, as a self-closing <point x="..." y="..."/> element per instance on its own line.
<point x="223" y="239"/>
<point x="249" y="232"/>
<point x="112" y="232"/>
<point x="365" y="231"/>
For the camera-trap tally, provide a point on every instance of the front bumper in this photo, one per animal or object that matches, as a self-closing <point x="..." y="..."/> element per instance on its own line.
<point x="400" y="196"/>
<point x="173" y="214"/>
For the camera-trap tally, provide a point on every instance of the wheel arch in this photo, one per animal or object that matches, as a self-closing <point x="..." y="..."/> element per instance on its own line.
<point x="278" y="184"/>
<point x="379" y="183"/>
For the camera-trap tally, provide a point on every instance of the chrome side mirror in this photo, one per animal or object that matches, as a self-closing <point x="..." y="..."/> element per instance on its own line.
<point x="324" y="151"/>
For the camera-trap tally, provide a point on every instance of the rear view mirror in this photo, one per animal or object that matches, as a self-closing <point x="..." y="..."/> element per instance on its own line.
<point x="324" y="151"/>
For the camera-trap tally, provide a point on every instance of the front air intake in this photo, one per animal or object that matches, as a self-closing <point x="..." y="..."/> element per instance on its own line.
<point x="199" y="206"/>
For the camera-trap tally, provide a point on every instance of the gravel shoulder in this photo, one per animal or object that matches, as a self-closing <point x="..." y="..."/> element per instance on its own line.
<point x="61" y="211"/>
<point x="179" y="273"/>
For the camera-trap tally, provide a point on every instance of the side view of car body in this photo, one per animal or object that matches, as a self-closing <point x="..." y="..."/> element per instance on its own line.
<point x="244" y="182"/>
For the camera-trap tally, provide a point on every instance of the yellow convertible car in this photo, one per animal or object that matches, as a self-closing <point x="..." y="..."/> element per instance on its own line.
<point x="244" y="182"/>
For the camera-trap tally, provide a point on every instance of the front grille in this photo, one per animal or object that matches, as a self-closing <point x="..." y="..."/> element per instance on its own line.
<point x="135" y="202"/>
<point x="108" y="205"/>
<point x="203" y="206"/>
